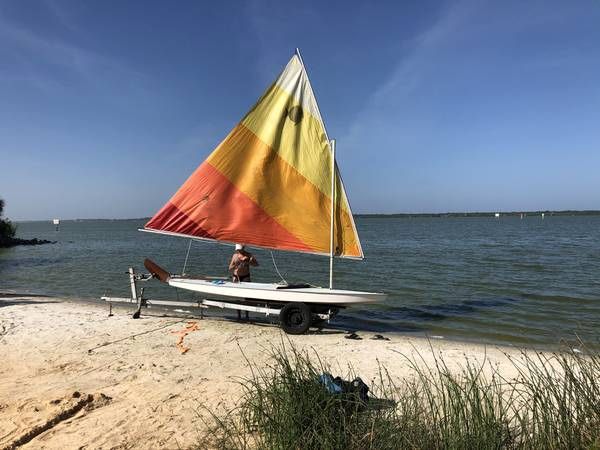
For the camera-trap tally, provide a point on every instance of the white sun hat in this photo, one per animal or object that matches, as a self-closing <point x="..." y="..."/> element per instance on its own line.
<point x="239" y="246"/>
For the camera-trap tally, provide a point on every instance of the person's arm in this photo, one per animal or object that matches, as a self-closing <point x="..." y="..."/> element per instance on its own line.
<point x="233" y="263"/>
<point x="253" y="261"/>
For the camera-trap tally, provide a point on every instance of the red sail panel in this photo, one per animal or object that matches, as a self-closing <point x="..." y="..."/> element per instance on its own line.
<point x="209" y="206"/>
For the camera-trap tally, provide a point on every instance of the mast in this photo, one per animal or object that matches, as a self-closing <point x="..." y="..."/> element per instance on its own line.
<point x="316" y="103"/>
<point x="332" y="144"/>
<point x="331" y="243"/>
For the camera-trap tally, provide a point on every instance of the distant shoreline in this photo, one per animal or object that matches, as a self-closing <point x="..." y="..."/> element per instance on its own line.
<point x="547" y="213"/>
<point x="591" y="212"/>
<point x="13" y="242"/>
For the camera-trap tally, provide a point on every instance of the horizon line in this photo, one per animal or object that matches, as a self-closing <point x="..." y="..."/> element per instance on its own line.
<point x="398" y="214"/>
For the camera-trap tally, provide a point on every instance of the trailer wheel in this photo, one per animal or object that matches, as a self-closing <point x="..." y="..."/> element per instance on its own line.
<point x="295" y="318"/>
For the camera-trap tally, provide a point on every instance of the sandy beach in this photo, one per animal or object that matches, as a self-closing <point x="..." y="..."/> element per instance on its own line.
<point x="72" y="377"/>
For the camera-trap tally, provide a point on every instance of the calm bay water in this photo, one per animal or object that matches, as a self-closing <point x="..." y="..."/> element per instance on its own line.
<point x="529" y="282"/>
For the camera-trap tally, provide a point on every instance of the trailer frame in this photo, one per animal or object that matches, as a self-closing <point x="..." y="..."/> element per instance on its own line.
<point x="324" y="314"/>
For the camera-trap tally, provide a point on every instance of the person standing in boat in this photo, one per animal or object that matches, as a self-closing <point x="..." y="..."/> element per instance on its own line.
<point x="240" y="264"/>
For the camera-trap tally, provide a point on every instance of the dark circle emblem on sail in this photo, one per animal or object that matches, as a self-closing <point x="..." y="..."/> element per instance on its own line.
<point x="295" y="113"/>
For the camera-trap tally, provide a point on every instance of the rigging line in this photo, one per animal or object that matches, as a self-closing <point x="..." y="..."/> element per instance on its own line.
<point x="129" y="337"/>
<point x="186" y="257"/>
<point x="276" y="269"/>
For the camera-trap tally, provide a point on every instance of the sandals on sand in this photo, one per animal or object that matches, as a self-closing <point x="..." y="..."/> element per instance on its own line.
<point x="352" y="335"/>
<point x="380" y="337"/>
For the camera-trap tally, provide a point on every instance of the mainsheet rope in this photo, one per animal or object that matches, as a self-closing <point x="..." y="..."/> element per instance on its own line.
<point x="276" y="269"/>
<point x="272" y="259"/>
<point x="186" y="257"/>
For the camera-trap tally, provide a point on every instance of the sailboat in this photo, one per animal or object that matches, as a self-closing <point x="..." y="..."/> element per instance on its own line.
<point x="272" y="183"/>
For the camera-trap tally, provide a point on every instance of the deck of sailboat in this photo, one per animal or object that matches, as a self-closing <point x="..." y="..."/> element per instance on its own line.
<point x="272" y="292"/>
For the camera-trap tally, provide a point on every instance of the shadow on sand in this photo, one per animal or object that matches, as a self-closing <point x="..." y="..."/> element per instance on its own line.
<point x="10" y="299"/>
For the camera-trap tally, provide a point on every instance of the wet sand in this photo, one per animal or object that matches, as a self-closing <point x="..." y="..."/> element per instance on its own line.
<point x="72" y="377"/>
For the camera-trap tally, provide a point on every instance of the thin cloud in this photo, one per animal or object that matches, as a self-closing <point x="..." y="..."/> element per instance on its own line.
<point x="49" y="62"/>
<point x="274" y="27"/>
<point x="200" y="142"/>
<point x="62" y="15"/>
<point x="463" y="22"/>
<point x="407" y="75"/>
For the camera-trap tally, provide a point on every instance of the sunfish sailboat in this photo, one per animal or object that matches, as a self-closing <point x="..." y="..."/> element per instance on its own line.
<point x="272" y="183"/>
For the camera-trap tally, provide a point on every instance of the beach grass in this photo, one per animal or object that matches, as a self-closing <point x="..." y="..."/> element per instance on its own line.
<point x="553" y="403"/>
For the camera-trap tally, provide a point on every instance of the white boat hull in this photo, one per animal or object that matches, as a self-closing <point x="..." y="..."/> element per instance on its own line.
<point x="274" y="293"/>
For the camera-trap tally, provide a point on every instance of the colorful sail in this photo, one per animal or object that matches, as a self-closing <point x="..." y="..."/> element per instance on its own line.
<point x="268" y="184"/>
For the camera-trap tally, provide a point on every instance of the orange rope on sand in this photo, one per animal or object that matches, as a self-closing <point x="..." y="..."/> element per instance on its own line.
<point x="191" y="326"/>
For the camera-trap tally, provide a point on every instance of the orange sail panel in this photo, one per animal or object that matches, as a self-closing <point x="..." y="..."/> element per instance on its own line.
<point x="268" y="184"/>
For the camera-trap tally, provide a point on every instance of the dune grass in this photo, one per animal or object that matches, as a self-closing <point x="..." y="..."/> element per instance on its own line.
<point x="554" y="403"/>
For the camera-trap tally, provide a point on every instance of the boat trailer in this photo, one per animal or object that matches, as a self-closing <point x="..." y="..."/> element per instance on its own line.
<point x="255" y="306"/>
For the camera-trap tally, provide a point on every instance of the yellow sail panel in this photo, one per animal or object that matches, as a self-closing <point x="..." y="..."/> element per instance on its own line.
<point x="301" y="140"/>
<point x="301" y="143"/>
<point x="283" y="193"/>
<point x="269" y="182"/>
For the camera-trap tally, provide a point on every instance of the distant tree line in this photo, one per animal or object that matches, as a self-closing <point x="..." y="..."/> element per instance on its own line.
<point x="547" y="213"/>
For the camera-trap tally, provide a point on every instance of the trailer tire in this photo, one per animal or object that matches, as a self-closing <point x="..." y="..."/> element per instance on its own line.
<point x="295" y="318"/>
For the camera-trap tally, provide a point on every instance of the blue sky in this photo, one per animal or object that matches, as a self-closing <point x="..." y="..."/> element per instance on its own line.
<point x="107" y="107"/>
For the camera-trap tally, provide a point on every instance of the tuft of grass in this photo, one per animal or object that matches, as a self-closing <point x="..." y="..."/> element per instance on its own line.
<point x="553" y="403"/>
<point x="560" y="400"/>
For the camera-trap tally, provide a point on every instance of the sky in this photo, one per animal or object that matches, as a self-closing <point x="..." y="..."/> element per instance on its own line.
<point x="107" y="107"/>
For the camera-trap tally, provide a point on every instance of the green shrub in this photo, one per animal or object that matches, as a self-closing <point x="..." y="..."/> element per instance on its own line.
<point x="7" y="228"/>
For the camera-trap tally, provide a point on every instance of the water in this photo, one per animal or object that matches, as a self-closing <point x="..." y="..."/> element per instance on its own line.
<point x="527" y="282"/>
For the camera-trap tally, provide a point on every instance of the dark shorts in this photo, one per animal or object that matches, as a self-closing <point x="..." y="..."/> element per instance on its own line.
<point x="237" y="279"/>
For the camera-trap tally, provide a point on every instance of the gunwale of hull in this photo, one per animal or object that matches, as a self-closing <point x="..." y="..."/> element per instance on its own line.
<point x="268" y="292"/>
